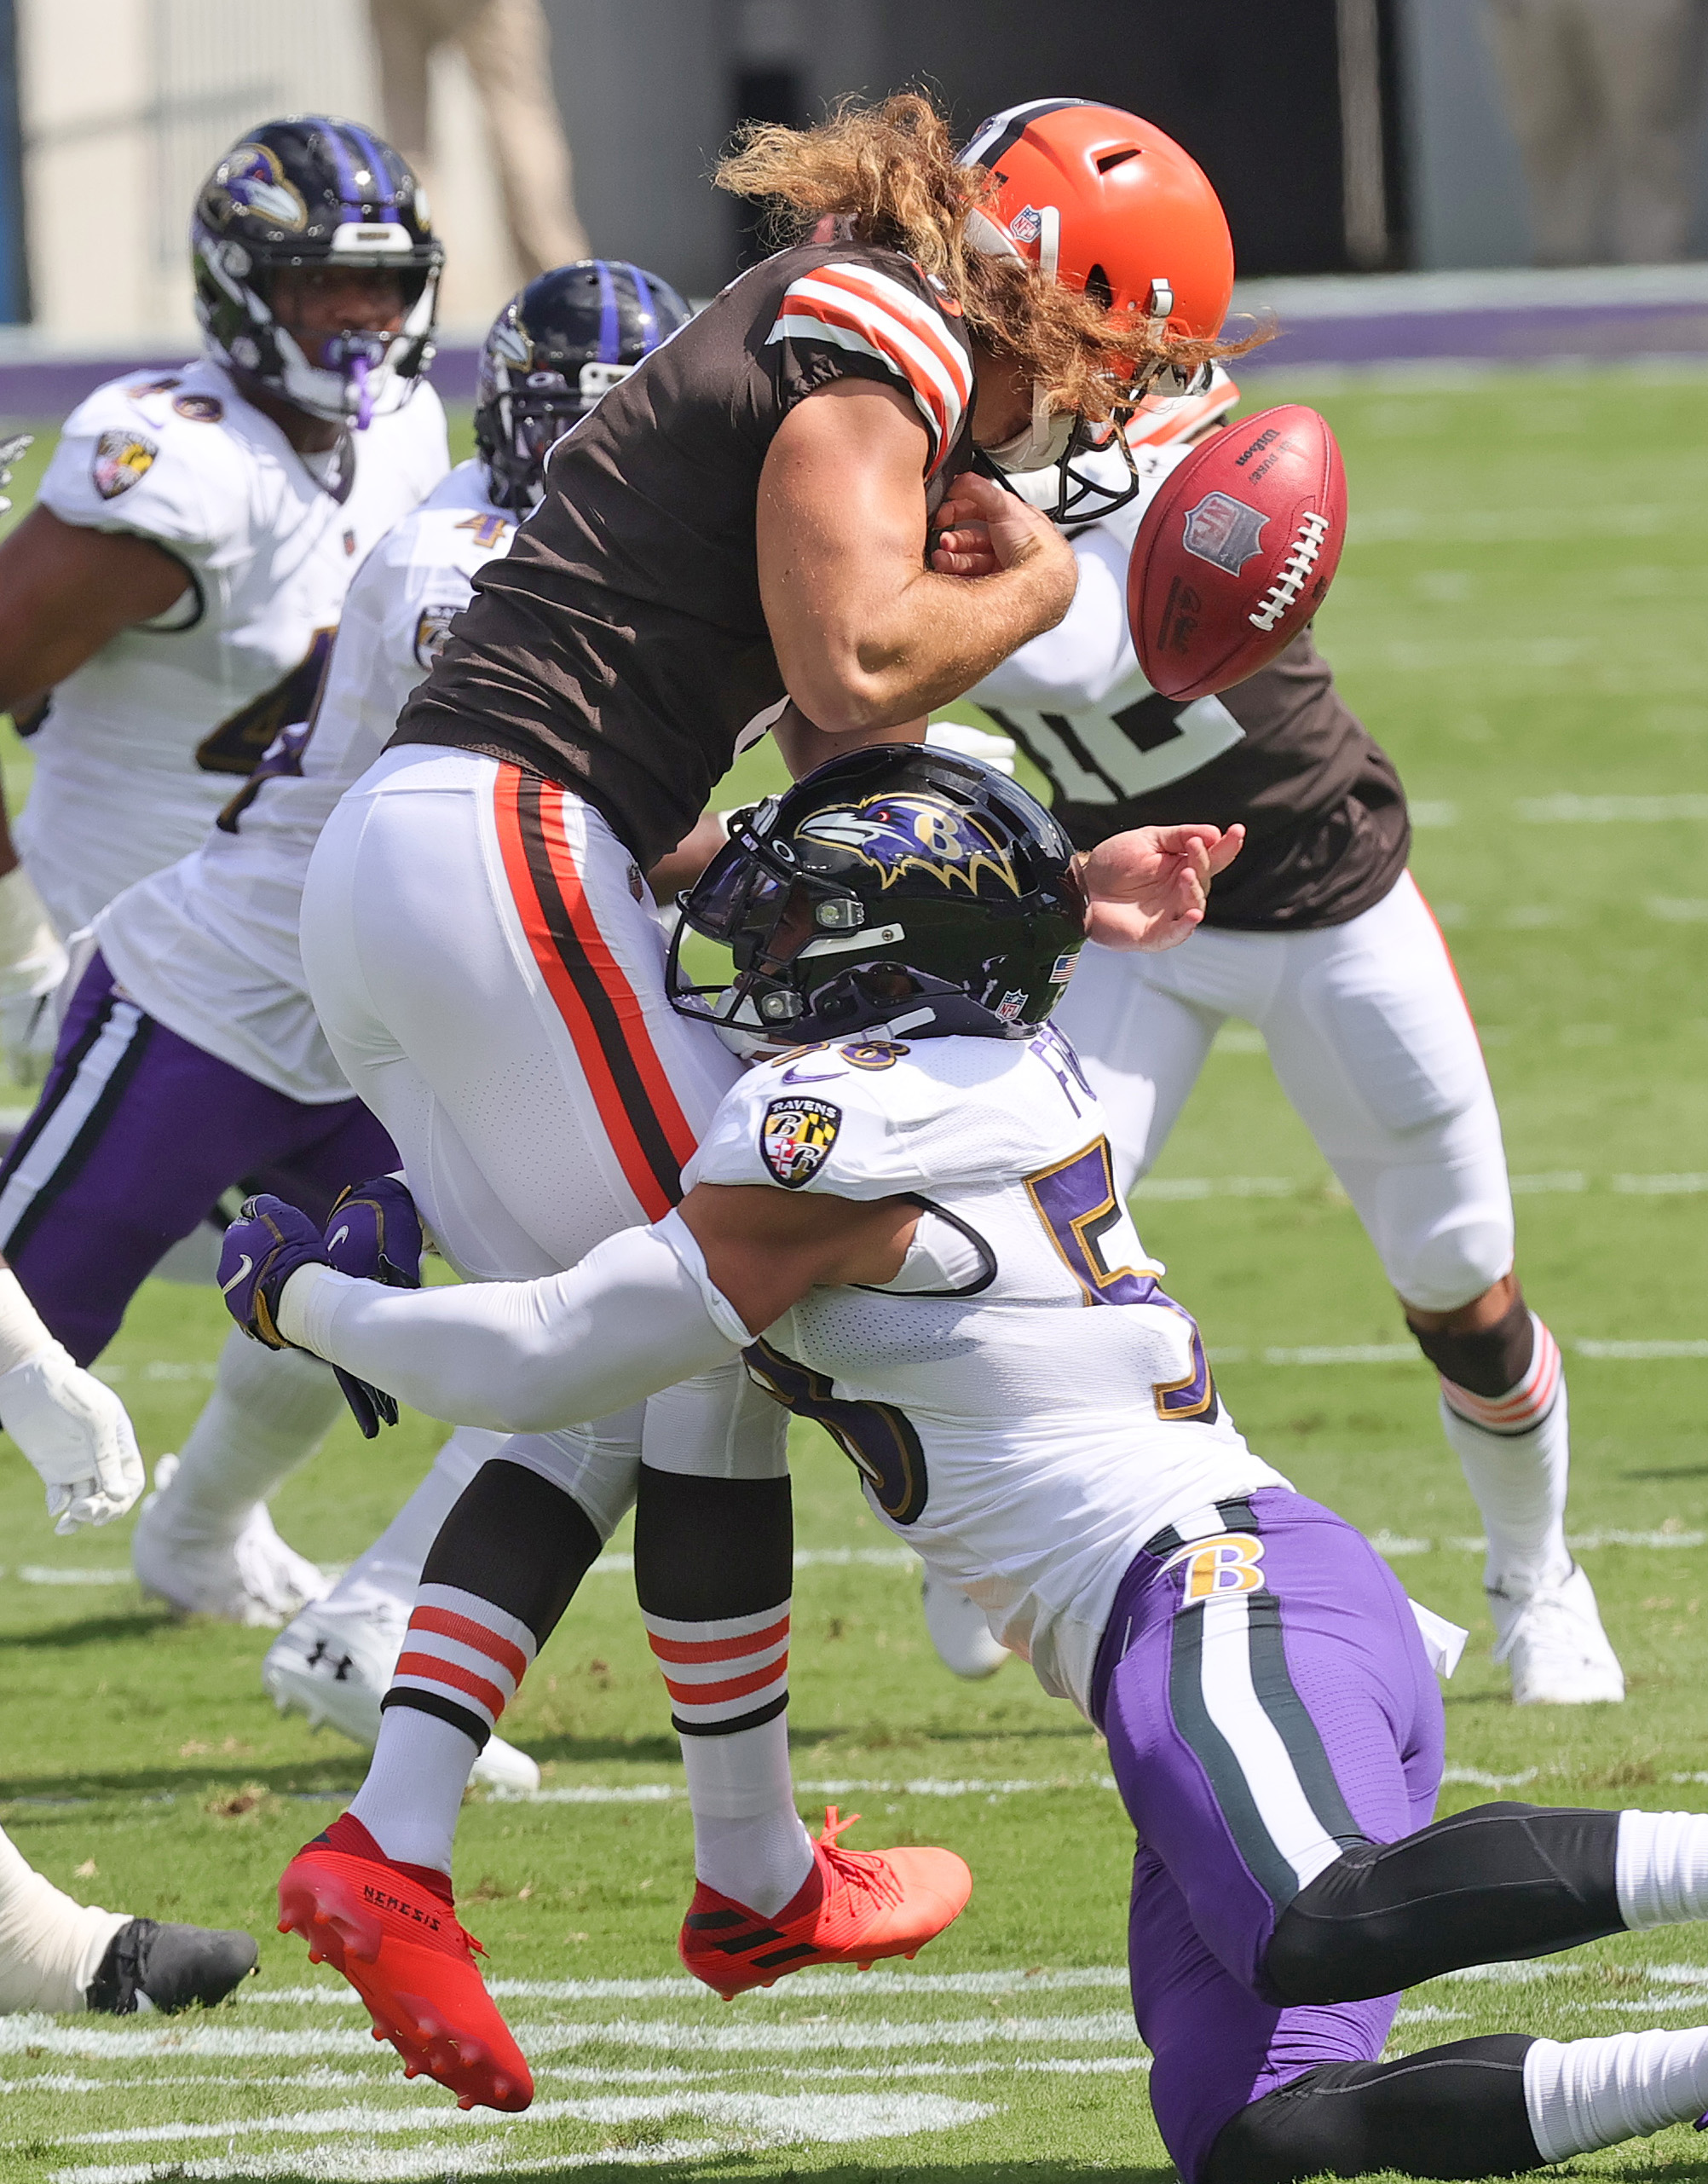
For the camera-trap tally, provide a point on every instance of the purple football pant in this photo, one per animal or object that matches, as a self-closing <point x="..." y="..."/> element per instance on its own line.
<point x="1268" y="1702"/>
<point x="137" y="1134"/>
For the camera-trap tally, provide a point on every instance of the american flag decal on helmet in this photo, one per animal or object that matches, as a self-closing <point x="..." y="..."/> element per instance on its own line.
<point x="869" y="313"/>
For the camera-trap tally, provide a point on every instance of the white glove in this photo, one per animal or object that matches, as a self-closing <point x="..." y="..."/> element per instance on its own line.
<point x="32" y="956"/>
<point x="76" y="1432"/>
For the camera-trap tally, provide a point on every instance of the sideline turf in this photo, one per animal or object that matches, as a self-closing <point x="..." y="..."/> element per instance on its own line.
<point x="1518" y="617"/>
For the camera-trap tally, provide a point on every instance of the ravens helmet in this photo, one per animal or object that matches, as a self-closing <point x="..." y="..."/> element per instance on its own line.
<point x="308" y="191"/>
<point x="901" y="886"/>
<point x="557" y="346"/>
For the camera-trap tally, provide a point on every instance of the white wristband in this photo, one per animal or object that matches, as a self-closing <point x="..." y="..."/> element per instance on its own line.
<point x="22" y="1335"/>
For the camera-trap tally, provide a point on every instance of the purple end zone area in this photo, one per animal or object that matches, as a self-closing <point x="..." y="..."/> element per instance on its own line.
<point x="35" y="387"/>
<point x="1603" y="334"/>
<point x="1605" y="315"/>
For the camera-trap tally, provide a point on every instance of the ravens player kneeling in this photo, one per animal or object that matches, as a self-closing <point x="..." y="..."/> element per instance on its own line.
<point x="906" y="1226"/>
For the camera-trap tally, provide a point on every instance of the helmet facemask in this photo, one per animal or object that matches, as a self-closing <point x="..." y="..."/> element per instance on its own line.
<point x="900" y="891"/>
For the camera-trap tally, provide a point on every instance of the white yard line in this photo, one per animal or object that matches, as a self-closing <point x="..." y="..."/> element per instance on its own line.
<point x="850" y="1985"/>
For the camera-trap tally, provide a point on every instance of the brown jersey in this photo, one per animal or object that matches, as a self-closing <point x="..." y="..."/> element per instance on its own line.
<point x="620" y="647"/>
<point x="1327" y="833"/>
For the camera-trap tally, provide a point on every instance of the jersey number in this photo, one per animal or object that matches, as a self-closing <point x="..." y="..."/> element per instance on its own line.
<point x="238" y="745"/>
<point x="876" y="1438"/>
<point x="1115" y="758"/>
<point x="1075" y="1201"/>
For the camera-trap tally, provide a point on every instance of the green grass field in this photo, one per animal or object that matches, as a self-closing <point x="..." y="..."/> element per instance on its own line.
<point x="1519" y="619"/>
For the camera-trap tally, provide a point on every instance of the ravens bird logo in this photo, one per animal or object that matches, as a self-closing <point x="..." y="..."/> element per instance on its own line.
<point x="897" y="833"/>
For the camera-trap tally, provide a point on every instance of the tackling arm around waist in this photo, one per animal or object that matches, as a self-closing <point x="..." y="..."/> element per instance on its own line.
<point x="647" y="1308"/>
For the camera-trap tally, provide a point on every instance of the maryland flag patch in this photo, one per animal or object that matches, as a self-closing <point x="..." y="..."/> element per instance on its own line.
<point x="432" y="628"/>
<point x="795" y="1139"/>
<point x="120" y="459"/>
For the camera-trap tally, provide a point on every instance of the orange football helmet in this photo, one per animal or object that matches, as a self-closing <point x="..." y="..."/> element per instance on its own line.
<point x="1107" y="203"/>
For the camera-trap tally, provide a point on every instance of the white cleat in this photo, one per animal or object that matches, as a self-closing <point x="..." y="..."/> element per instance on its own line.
<point x="334" y="1663"/>
<point x="1552" y="1640"/>
<point x="253" y="1578"/>
<point x="959" y="1631"/>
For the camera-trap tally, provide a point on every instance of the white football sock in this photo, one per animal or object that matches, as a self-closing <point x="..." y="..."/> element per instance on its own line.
<point x="1661" y="1869"/>
<point x="749" y="1842"/>
<point x="414" y="1788"/>
<point x="1580" y="2094"/>
<point x="387" y="1574"/>
<point x="1514" y="1450"/>
<point x="50" y="1948"/>
<point x="269" y="1412"/>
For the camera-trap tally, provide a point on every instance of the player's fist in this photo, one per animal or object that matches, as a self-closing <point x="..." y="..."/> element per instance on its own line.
<point x="375" y="1233"/>
<point x="263" y="1248"/>
<point x="75" y="1431"/>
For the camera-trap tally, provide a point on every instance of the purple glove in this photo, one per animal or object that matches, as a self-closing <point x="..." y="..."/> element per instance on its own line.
<point x="263" y="1248"/>
<point x="375" y="1234"/>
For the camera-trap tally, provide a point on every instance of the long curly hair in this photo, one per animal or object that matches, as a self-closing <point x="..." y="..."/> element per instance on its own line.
<point x="887" y="174"/>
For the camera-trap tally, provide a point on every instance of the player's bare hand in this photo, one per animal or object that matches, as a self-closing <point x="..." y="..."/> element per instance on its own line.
<point x="1147" y="889"/>
<point x="981" y="530"/>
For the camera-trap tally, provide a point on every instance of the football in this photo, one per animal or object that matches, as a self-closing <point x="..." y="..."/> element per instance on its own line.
<point x="1237" y="551"/>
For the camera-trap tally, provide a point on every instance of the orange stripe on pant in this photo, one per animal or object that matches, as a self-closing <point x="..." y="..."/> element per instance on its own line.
<point x="564" y="876"/>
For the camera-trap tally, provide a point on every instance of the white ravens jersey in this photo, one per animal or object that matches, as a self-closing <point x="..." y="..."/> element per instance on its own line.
<point x="1068" y="696"/>
<point x="144" y="744"/>
<point x="210" y="945"/>
<point x="1025" y="1405"/>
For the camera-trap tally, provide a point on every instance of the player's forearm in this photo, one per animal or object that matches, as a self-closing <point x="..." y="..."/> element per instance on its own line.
<point x="925" y="648"/>
<point x="523" y="1357"/>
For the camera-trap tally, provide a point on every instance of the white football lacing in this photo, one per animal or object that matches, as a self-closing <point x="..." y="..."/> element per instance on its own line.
<point x="1295" y="573"/>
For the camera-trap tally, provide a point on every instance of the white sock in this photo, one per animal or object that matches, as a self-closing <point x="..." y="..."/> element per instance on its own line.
<point x="387" y="1574"/>
<point x="269" y="1412"/>
<point x="1661" y="1869"/>
<point x="1514" y="1450"/>
<point x="749" y="1842"/>
<point x="414" y="1788"/>
<point x="50" y="1948"/>
<point x="1580" y="2094"/>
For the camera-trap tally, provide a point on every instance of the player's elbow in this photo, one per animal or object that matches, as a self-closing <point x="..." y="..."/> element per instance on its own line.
<point x="848" y="692"/>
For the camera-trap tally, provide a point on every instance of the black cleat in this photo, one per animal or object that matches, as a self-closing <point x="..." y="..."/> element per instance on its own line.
<point x="148" y="1966"/>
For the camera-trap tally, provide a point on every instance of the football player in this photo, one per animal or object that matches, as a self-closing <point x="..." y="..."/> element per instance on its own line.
<point x="1320" y="938"/>
<point x="165" y="609"/>
<point x="900" y="1226"/>
<point x="207" y="951"/>
<point x="56" y="1954"/>
<point x="741" y="527"/>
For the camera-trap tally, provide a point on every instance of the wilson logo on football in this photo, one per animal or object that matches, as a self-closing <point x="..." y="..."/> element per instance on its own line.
<point x="1225" y="1564"/>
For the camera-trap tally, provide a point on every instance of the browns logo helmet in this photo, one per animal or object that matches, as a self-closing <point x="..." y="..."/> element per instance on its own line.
<point x="901" y="886"/>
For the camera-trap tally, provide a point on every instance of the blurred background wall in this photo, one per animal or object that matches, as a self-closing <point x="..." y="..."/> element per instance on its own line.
<point x="1343" y="135"/>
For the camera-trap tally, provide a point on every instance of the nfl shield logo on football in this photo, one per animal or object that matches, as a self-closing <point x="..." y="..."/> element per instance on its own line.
<point x="1225" y="531"/>
<point x="796" y="1137"/>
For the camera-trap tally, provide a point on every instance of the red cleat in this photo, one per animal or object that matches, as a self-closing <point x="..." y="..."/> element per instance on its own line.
<point x="392" y="1932"/>
<point x="854" y="1907"/>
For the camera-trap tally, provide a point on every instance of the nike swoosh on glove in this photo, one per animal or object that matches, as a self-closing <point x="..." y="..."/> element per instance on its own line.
<point x="76" y="1432"/>
<point x="263" y="1248"/>
<point x="375" y="1234"/>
